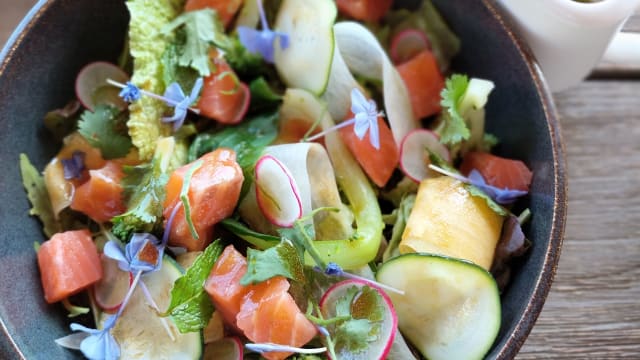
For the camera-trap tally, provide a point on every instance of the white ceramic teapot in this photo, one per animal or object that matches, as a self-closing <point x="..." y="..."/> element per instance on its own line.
<point x="569" y="37"/>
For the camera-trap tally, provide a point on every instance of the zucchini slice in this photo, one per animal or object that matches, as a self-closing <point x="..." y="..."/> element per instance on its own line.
<point x="306" y="62"/>
<point x="450" y="309"/>
<point x="140" y="332"/>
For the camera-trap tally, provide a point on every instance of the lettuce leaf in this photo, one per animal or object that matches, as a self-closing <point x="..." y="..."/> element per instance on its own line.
<point x="33" y="183"/>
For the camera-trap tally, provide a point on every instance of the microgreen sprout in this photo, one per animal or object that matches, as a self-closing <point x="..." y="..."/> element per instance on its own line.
<point x="333" y="269"/>
<point x="262" y="41"/>
<point x="73" y="166"/>
<point x="269" y="347"/>
<point x="173" y="96"/>
<point x="501" y="196"/>
<point x="74" y="310"/>
<point x="365" y="118"/>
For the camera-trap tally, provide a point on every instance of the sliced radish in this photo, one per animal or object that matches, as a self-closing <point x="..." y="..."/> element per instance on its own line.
<point x="229" y="348"/>
<point x="378" y="348"/>
<point x="408" y="43"/>
<point x="92" y="88"/>
<point x="277" y="193"/>
<point x="112" y="288"/>
<point x="414" y="157"/>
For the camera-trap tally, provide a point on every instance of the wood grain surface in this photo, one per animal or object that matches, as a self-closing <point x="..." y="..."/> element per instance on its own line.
<point x="593" y="310"/>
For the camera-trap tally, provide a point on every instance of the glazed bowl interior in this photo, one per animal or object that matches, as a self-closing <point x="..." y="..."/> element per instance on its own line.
<point x="37" y="71"/>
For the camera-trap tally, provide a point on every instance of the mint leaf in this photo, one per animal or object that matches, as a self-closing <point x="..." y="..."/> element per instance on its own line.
<point x="475" y="191"/>
<point x="202" y="28"/>
<point x="103" y="129"/>
<point x="454" y="129"/>
<point x="280" y="260"/>
<point x="190" y="307"/>
<point x="38" y="195"/>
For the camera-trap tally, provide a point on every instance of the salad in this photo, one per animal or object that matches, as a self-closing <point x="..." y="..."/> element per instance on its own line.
<point x="278" y="179"/>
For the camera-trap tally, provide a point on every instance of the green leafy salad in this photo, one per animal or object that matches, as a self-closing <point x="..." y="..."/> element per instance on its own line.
<point x="276" y="179"/>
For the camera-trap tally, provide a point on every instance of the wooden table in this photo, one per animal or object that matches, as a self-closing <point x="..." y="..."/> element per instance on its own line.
<point x="593" y="310"/>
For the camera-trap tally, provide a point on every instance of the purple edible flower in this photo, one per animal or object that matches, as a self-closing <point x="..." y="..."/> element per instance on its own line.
<point x="365" y="118"/>
<point x="100" y="344"/>
<point x="334" y="269"/>
<point x="143" y="253"/>
<point x="501" y="196"/>
<point x="175" y="97"/>
<point x="262" y="41"/>
<point x="130" y="92"/>
<point x="73" y="166"/>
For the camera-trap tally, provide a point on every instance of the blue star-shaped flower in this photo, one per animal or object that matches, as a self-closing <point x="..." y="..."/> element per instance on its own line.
<point x="73" y="166"/>
<point x="175" y="97"/>
<point x="262" y="41"/>
<point x="143" y="253"/>
<point x="130" y="92"/>
<point x="100" y="344"/>
<point x="366" y="117"/>
<point x="501" y="196"/>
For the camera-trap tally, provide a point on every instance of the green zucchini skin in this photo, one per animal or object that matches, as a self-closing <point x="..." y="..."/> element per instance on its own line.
<point x="451" y="307"/>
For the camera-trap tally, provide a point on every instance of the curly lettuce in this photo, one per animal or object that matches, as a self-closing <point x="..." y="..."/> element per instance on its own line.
<point x="147" y="44"/>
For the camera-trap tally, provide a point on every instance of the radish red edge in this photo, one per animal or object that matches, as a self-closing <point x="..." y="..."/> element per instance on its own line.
<point x="392" y="328"/>
<point x="414" y="160"/>
<point x="288" y="197"/>
<point x="228" y="348"/>
<point x="111" y="289"/>
<point x="407" y="44"/>
<point x="93" y="76"/>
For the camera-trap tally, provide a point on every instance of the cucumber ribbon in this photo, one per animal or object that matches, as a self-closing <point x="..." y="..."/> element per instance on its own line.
<point x="358" y="50"/>
<point x="362" y="246"/>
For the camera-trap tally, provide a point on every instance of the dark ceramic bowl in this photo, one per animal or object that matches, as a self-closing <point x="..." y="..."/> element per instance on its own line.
<point x="37" y="71"/>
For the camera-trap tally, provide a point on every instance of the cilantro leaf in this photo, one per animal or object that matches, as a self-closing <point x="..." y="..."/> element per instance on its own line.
<point x="454" y="129"/>
<point x="202" y="28"/>
<point x="172" y="71"/>
<point x="190" y="307"/>
<point x="101" y="128"/>
<point x="475" y="191"/>
<point x="34" y="185"/>
<point x="144" y="187"/>
<point x="352" y="336"/>
<point x="365" y="310"/>
<point x="280" y="260"/>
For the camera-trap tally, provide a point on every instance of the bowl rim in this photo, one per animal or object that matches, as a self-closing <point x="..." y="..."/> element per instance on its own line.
<point x="544" y="278"/>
